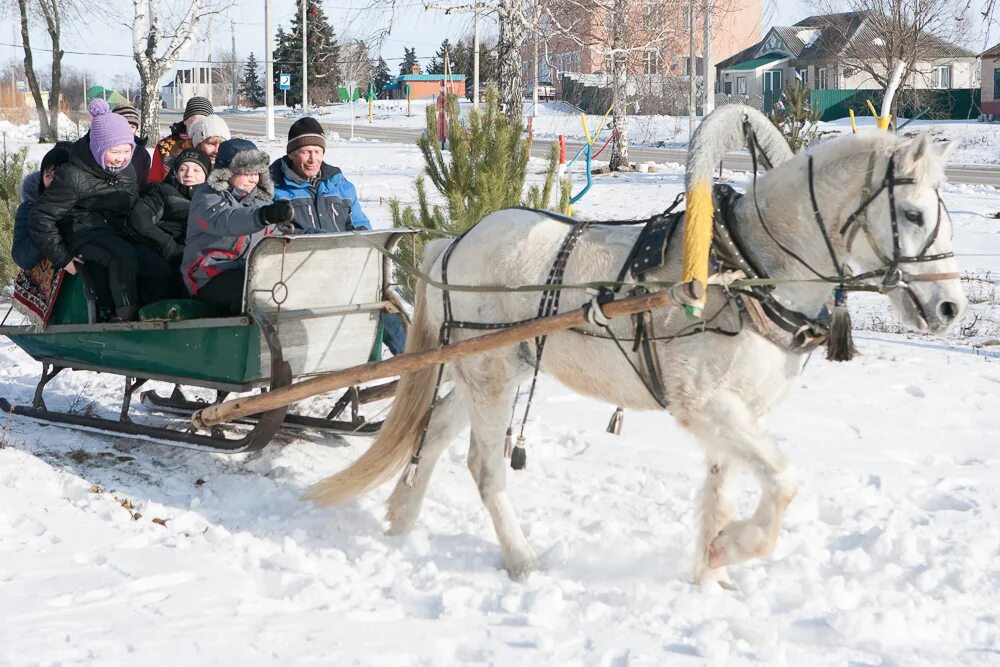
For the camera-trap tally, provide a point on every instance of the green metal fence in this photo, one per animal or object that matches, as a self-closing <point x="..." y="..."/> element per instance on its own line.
<point x="953" y="104"/>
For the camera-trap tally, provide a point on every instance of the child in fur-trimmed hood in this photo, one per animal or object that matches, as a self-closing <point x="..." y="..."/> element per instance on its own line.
<point x="228" y="215"/>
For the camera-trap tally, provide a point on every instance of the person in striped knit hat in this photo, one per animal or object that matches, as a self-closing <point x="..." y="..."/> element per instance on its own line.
<point x="140" y="156"/>
<point x="179" y="138"/>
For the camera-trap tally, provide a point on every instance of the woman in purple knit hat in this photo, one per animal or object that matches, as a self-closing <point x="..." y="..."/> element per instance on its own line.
<point x="81" y="218"/>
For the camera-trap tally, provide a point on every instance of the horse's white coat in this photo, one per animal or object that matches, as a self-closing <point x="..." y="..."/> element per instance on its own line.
<point x="717" y="386"/>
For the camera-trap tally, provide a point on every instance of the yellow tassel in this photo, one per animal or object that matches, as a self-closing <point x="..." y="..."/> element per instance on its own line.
<point x="697" y="238"/>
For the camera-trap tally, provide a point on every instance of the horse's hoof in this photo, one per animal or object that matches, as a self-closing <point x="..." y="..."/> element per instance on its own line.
<point x="519" y="571"/>
<point x="717" y="556"/>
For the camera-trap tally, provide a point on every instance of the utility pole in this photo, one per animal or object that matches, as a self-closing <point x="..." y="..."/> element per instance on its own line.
<point x="232" y="32"/>
<point x="268" y="72"/>
<point x="211" y="98"/>
<point x="706" y="59"/>
<point x="475" y="57"/>
<point x="692" y="70"/>
<point x="305" y="61"/>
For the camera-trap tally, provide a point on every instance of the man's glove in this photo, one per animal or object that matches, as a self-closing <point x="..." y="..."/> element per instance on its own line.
<point x="277" y="213"/>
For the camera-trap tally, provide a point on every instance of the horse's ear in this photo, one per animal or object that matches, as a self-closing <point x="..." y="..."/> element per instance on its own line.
<point x="913" y="151"/>
<point x="946" y="150"/>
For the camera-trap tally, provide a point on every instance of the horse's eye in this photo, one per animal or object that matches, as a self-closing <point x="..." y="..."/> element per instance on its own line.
<point x="916" y="217"/>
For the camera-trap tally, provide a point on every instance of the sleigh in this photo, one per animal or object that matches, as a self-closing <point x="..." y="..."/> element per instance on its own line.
<point x="312" y="304"/>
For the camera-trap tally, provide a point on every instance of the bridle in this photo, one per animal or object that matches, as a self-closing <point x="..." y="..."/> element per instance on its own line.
<point x="892" y="274"/>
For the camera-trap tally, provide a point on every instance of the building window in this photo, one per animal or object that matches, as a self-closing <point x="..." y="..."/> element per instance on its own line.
<point x="803" y="76"/>
<point x="942" y="76"/>
<point x="741" y="85"/>
<point x="772" y="81"/>
<point x="821" y="78"/>
<point x="996" y="83"/>
<point x="650" y="62"/>
<point x="567" y="62"/>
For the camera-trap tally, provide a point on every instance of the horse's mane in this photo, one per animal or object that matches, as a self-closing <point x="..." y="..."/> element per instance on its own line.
<point x="853" y="151"/>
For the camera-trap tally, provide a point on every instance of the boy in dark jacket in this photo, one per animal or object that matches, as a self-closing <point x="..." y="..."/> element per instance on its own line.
<point x="230" y="213"/>
<point x="81" y="217"/>
<point x="160" y="217"/>
<point x="24" y="250"/>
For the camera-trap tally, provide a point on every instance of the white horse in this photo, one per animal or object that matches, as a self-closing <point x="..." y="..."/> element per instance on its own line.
<point x="717" y="386"/>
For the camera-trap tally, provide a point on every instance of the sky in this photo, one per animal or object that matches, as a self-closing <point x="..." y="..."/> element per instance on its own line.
<point x="411" y="26"/>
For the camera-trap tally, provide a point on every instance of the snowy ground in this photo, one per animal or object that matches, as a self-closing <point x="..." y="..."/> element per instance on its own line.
<point x="118" y="552"/>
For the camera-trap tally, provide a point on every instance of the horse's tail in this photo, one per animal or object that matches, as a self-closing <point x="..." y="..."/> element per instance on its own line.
<point x="398" y="437"/>
<point x="722" y="130"/>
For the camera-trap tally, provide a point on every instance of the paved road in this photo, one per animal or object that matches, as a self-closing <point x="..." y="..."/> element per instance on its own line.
<point x="254" y="125"/>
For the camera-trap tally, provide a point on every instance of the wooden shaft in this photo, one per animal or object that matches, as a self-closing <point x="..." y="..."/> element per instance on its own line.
<point x="682" y="293"/>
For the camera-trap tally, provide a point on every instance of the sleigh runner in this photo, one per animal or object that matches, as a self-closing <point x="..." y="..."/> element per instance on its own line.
<point x="313" y="304"/>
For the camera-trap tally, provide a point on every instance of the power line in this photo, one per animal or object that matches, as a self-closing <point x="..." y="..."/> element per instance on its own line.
<point x="188" y="60"/>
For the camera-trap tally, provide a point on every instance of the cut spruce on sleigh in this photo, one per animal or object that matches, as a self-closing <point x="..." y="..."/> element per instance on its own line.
<point x="526" y="290"/>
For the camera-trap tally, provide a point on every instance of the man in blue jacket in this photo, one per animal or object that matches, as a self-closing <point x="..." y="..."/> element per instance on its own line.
<point x="323" y="200"/>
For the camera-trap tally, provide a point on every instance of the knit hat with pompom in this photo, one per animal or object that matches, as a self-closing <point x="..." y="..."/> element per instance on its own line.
<point x="107" y="130"/>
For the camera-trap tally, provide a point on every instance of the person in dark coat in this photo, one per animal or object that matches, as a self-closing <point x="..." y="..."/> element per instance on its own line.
<point x="140" y="156"/>
<point x="159" y="218"/>
<point x="81" y="217"/>
<point x="179" y="138"/>
<point x="24" y="251"/>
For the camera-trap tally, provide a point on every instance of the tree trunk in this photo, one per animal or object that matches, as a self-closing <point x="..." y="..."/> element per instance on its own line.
<point x="619" y="84"/>
<point x="29" y="72"/>
<point x="509" y="45"/>
<point x="149" y="99"/>
<point x="54" y="27"/>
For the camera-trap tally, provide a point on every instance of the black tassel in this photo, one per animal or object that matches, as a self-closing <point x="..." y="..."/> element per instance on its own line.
<point x="615" y="425"/>
<point x="508" y="443"/>
<point x="840" y="343"/>
<point x="518" y="455"/>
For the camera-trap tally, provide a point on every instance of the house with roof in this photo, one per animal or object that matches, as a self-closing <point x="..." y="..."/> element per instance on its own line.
<point x="819" y="52"/>
<point x="416" y="85"/>
<point x="990" y="77"/>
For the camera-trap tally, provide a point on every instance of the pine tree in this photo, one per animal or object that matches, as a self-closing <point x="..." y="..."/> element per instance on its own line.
<point x="446" y="50"/>
<point x="324" y="54"/>
<point x="484" y="171"/>
<point x="795" y="117"/>
<point x="284" y="62"/>
<point x="409" y="60"/>
<point x="381" y="77"/>
<point x="251" y="89"/>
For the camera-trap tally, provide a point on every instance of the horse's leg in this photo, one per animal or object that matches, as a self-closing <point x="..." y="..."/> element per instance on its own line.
<point x="727" y="424"/>
<point x="490" y="413"/>
<point x="447" y="420"/>
<point x="716" y="511"/>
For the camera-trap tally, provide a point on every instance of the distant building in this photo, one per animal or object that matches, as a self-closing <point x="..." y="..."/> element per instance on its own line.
<point x="425" y="85"/>
<point x="991" y="80"/>
<point x="733" y="29"/>
<point x="211" y="82"/>
<point x="814" y="51"/>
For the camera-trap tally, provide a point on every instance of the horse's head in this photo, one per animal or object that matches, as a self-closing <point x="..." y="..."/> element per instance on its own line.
<point x="901" y="233"/>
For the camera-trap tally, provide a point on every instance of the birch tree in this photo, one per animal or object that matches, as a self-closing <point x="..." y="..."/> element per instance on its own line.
<point x="621" y="32"/>
<point x="51" y="12"/>
<point x="514" y="19"/>
<point x="159" y="37"/>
